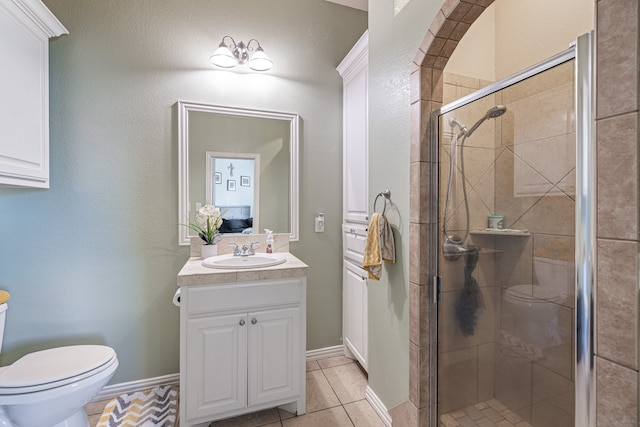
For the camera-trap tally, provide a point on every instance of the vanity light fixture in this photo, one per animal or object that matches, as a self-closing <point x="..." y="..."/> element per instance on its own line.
<point x="232" y="54"/>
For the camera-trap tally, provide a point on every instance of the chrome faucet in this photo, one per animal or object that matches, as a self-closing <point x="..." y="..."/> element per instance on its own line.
<point x="252" y="249"/>
<point x="246" y="250"/>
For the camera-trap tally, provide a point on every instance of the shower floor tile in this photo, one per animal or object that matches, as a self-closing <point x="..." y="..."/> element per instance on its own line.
<point x="490" y="413"/>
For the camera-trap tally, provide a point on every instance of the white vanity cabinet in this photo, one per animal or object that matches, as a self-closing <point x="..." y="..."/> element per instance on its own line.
<point x="242" y="347"/>
<point x="354" y="70"/>
<point x="25" y="29"/>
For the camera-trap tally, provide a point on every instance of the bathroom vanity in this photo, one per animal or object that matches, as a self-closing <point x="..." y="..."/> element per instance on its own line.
<point x="242" y="340"/>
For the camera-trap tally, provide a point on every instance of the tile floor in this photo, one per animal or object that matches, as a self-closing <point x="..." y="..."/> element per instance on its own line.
<point x="491" y="413"/>
<point x="335" y="398"/>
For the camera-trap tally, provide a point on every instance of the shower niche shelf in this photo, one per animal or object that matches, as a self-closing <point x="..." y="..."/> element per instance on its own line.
<point x="515" y="233"/>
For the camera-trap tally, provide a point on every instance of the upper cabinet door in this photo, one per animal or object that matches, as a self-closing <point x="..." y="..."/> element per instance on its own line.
<point x="354" y="70"/>
<point x="25" y="29"/>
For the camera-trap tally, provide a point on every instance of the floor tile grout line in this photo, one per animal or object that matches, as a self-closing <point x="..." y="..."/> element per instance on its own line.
<point x="363" y="373"/>
<point x="334" y="392"/>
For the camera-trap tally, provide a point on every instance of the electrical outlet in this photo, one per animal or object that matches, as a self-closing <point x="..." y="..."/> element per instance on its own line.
<point x="320" y="223"/>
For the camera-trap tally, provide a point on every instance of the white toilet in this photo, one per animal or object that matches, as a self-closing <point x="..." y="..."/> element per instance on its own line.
<point x="531" y="311"/>
<point x="534" y="318"/>
<point x="49" y="388"/>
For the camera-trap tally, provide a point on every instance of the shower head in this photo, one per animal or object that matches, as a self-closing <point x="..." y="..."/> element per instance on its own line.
<point x="493" y="113"/>
<point x="496" y="111"/>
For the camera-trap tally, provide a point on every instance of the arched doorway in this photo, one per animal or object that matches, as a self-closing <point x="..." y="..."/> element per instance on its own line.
<point x="451" y="23"/>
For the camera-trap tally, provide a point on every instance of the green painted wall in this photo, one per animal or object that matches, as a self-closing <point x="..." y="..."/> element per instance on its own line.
<point x="393" y="43"/>
<point x="94" y="258"/>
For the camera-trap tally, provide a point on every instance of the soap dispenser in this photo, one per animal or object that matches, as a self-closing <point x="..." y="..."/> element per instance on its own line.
<point x="269" y="240"/>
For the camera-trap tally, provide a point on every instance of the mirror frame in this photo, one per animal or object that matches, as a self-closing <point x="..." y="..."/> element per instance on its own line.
<point x="183" y="158"/>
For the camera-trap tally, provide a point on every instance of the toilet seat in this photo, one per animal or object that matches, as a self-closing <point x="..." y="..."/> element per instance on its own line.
<point x="55" y="367"/>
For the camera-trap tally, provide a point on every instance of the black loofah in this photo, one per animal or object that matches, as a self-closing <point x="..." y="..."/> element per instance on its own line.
<point x="470" y="297"/>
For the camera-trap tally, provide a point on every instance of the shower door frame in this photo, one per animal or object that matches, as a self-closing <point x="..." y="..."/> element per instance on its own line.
<point x="585" y="235"/>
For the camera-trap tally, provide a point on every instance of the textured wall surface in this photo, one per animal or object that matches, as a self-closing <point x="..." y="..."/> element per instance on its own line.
<point x="95" y="258"/>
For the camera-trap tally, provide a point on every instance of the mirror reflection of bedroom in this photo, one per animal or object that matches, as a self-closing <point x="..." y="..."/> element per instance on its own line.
<point x="252" y="198"/>
<point x="233" y="184"/>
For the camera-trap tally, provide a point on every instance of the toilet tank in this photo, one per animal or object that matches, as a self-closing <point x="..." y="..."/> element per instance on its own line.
<point x="554" y="274"/>
<point x="3" y="313"/>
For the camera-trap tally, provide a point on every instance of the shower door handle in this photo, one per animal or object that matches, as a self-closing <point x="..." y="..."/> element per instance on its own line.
<point x="437" y="288"/>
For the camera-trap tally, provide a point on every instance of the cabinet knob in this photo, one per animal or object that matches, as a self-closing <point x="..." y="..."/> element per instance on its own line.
<point x="254" y="321"/>
<point x="242" y="322"/>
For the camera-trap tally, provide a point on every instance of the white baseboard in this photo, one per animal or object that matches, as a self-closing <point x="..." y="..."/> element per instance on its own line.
<point x="321" y="353"/>
<point x="114" y="390"/>
<point x="378" y="406"/>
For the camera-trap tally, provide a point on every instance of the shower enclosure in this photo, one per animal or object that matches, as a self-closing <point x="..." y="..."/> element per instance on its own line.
<point x="513" y="316"/>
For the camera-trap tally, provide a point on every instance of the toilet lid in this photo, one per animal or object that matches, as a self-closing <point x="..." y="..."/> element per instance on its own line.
<point x="56" y="365"/>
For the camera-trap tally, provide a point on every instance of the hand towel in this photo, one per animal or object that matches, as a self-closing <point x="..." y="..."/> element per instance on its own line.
<point x="379" y="246"/>
<point x="4" y="297"/>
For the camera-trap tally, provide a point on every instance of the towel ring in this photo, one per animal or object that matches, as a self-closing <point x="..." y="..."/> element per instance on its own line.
<point x="387" y="195"/>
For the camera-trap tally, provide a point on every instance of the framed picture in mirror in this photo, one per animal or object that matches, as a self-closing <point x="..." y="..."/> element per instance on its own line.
<point x="218" y="178"/>
<point x="245" y="181"/>
<point x="231" y="185"/>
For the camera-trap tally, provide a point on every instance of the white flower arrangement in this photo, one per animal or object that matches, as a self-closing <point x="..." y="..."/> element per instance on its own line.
<point x="208" y="223"/>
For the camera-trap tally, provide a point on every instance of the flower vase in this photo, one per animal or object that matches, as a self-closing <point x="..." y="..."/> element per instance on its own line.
<point x="208" y="251"/>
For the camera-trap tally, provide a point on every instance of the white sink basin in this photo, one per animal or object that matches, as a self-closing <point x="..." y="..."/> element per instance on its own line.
<point x="240" y="262"/>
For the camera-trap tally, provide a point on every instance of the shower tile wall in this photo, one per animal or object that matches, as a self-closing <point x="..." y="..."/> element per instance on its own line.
<point x="521" y="166"/>
<point x="617" y="118"/>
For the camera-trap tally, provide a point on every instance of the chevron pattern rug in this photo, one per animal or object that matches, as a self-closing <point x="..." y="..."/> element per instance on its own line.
<point x="157" y="407"/>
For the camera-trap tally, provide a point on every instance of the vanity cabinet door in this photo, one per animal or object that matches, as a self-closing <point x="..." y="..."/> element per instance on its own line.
<point x="275" y="365"/>
<point x="216" y="367"/>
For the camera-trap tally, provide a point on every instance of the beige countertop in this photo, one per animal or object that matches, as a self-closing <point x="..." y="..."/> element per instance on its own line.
<point x="194" y="273"/>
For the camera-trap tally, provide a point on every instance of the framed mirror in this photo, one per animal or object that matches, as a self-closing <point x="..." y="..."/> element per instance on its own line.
<point x="243" y="161"/>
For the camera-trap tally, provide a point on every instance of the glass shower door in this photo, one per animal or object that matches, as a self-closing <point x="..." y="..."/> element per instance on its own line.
<point x="506" y="258"/>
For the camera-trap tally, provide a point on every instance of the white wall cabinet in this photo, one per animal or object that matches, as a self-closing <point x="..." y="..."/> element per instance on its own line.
<point x="242" y="349"/>
<point x="25" y="29"/>
<point x="354" y="70"/>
